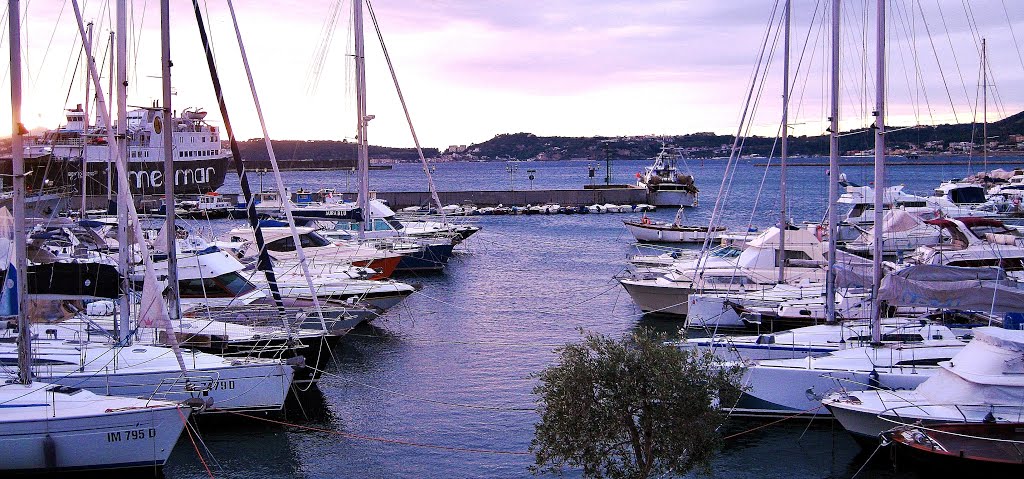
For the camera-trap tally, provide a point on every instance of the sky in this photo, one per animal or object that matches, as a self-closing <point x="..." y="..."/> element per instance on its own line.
<point x="472" y="69"/>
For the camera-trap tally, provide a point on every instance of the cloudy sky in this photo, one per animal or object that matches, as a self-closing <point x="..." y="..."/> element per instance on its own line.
<point x="471" y="69"/>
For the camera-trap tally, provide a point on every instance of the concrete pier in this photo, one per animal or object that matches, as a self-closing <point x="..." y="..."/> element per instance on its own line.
<point x="616" y="194"/>
<point x="570" y="197"/>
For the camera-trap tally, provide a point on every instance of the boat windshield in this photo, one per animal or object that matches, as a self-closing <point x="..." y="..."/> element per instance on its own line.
<point x="969" y="195"/>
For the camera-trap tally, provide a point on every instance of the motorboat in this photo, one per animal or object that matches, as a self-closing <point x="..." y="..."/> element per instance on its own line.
<point x="817" y="340"/>
<point x="756" y="268"/>
<point x="647" y="230"/>
<point x="982" y="383"/>
<point x="902" y="232"/>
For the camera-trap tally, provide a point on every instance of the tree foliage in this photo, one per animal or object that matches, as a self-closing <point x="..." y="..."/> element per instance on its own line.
<point x="630" y="408"/>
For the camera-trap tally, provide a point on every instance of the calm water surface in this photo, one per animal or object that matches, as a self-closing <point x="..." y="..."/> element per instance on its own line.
<point x="450" y="367"/>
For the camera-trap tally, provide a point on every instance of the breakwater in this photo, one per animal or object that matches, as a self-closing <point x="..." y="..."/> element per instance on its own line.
<point x="565" y="197"/>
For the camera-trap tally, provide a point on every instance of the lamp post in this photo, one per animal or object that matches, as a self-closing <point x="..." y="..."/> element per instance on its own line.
<point x="262" y="172"/>
<point x="512" y="176"/>
<point x="531" y="172"/>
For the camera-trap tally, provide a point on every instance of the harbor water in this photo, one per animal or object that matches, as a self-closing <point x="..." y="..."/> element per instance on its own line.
<point x="441" y="385"/>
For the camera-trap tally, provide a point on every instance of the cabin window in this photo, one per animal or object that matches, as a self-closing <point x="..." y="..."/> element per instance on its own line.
<point x="199" y="288"/>
<point x="282" y="245"/>
<point x="1008" y="264"/>
<point x="967" y="195"/>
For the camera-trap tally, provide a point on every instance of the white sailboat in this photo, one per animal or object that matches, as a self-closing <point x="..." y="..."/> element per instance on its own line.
<point x="50" y="428"/>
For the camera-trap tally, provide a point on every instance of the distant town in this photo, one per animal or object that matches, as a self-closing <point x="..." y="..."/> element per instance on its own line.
<point x="1005" y="137"/>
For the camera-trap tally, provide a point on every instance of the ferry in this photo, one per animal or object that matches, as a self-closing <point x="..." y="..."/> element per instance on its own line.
<point x="200" y="163"/>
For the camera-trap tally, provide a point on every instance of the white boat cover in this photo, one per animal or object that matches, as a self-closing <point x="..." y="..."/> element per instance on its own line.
<point x="989" y="370"/>
<point x="951" y="287"/>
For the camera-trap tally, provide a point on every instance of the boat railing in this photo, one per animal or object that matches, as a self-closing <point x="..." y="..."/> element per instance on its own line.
<point x="192" y="384"/>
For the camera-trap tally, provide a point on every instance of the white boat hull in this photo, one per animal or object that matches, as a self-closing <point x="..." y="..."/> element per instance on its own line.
<point x="43" y="429"/>
<point x="658" y="299"/>
<point x="672" y="198"/>
<point x="662" y="233"/>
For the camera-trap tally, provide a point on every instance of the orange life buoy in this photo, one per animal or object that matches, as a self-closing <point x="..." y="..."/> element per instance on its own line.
<point x="645" y="220"/>
<point x="819" y="232"/>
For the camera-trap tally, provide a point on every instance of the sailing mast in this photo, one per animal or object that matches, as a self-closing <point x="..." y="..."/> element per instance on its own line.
<point x="879" y="113"/>
<point x="18" y="172"/>
<point x="984" y="104"/>
<point x="362" y="119"/>
<point x="833" y="173"/>
<point x="173" y="306"/>
<point x="85" y="113"/>
<point x="121" y="327"/>
<point x="785" y="146"/>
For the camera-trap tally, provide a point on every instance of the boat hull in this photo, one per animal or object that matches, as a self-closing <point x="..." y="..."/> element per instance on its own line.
<point x="666" y="233"/>
<point x="259" y="387"/>
<point x="134" y="438"/>
<point x="657" y="299"/>
<point x="430" y="258"/>
<point x="662" y="197"/>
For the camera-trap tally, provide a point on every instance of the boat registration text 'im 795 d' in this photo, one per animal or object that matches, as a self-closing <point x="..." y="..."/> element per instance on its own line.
<point x="131" y="435"/>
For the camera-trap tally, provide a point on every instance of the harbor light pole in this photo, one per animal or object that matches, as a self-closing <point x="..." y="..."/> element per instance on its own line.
<point x="511" y="176"/>
<point x="531" y="172"/>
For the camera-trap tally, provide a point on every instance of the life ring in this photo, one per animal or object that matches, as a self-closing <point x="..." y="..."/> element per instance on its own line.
<point x="819" y="232"/>
<point x="645" y="220"/>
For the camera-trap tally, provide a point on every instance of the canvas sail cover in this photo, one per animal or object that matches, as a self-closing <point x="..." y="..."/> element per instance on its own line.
<point x="951" y="287"/>
<point x="853" y="272"/>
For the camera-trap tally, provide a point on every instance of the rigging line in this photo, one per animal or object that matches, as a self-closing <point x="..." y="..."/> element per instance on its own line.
<point x="195" y="446"/>
<point x="349" y="435"/>
<point x="423" y="399"/>
<point x="973" y="25"/>
<point x="1013" y="35"/>
<point x="906" y="74"/>
<point x="405" y="108"/>
<point x="49" y="43"/>
<point x="938" y="63"/>
<point x="732" y="163"/>
<point x="949" y="39"/>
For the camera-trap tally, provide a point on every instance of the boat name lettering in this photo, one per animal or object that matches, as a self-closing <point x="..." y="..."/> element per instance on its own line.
<point x="131" y="435"/>
<point x="230" y="384"/>
<point x="155" y="178"/>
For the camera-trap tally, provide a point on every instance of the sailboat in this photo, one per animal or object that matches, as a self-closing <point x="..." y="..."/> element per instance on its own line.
<point x="50" y="428"/>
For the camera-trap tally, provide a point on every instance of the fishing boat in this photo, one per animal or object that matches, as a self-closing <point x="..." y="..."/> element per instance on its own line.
<point x="647" y="230"/>
<point x="666" y="186"/>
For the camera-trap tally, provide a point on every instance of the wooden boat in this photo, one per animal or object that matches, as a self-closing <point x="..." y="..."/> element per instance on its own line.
<point x="959" y="447"/>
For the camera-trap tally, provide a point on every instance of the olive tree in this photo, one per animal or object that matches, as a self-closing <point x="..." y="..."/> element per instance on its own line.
<point x="630" y="408"/>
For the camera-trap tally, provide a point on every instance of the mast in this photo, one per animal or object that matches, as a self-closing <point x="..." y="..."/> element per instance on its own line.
<point x="785" y="147"/>
<point x="122" y="327"/>
<point x="173" y="306"/>
<point x="18" y="171"/>
<point x="110" y="112"/>
<point x="833" y="172"/>
<point x="879" y="113"/>
<point x="362" y="119"/>
<point x="85" y="111"/>
<point x="263" y="263"/>
<point x="984" y="103"/>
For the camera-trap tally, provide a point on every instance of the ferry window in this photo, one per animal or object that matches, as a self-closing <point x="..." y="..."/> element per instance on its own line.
<point x="858" y="210"/>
